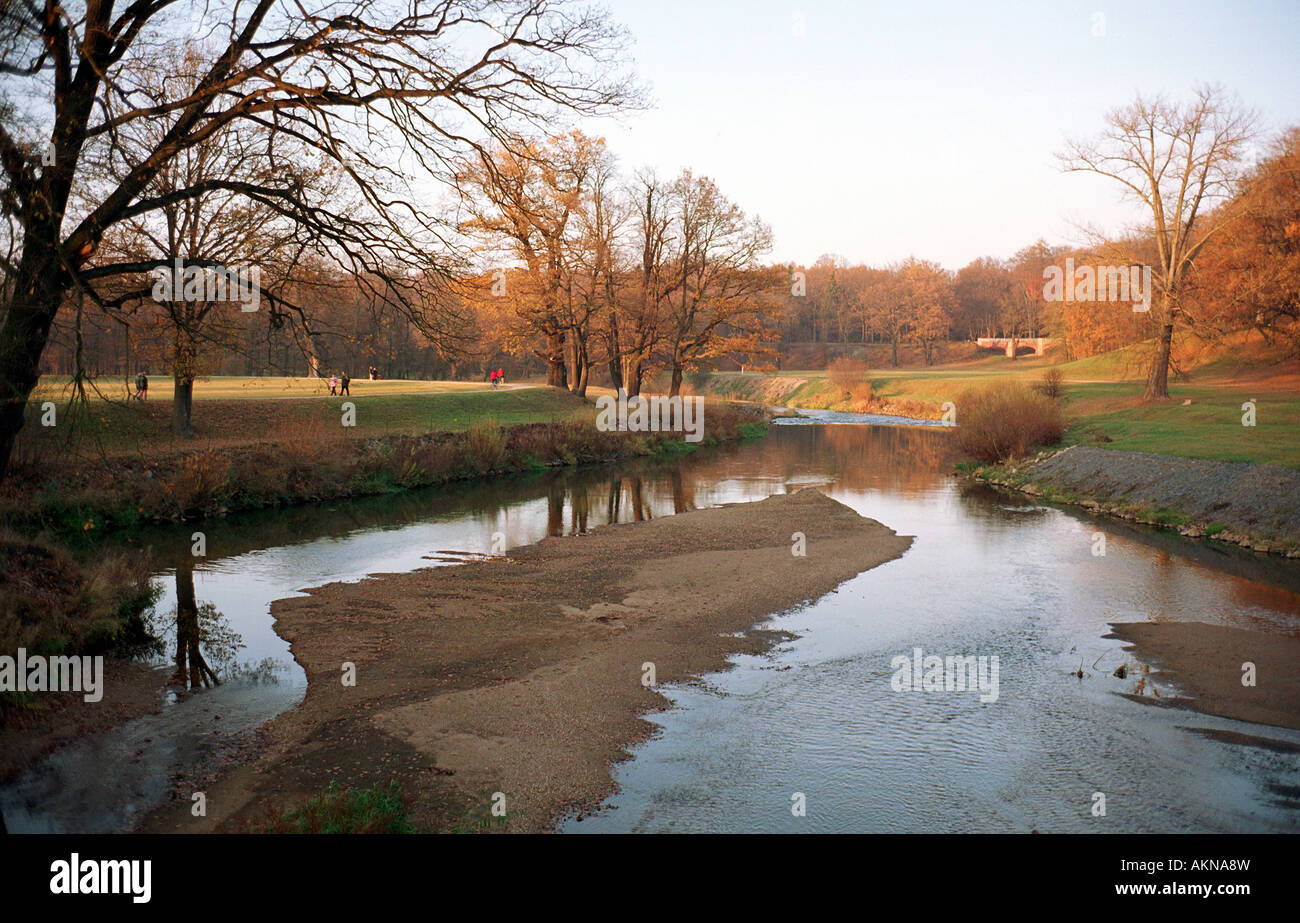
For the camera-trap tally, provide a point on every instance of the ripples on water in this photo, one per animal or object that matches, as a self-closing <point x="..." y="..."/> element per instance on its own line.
<point x="986" y="575"/>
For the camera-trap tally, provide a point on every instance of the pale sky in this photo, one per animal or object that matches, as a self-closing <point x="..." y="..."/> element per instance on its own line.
<point x="882" y="130"/>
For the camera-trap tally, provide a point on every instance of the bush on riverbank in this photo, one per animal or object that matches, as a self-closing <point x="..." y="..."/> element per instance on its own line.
<point x="50" y="604"/>
<point x="1006" y="419"/>
<point x="853" y="378"/>
<point x="1052" y="384"/>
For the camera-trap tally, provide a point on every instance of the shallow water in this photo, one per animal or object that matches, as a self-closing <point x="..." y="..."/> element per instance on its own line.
<point x="815" y="417"/>
<point x="987" y="575"/>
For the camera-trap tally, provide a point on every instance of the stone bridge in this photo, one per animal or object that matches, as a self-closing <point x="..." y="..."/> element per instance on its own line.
<point x="1009" y="345"/>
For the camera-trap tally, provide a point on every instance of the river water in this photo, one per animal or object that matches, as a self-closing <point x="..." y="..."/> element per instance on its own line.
<point x="814" y="722"/>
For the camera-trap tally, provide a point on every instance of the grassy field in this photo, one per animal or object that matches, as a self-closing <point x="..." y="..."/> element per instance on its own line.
<point x="1201" y="421"/>
<point x="1103" y="398"/>
<point x="57" y="388"/>
<point x="1103" y="403"/>
<point x="231" y="412"/>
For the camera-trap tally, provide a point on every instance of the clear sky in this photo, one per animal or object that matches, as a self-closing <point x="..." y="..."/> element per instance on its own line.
<point x="881" y="130"/>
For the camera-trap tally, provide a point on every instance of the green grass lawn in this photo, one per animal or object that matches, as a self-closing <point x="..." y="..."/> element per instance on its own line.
<point x="1209" y="427"/>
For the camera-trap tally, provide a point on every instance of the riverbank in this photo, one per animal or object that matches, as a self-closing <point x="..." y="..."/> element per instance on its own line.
<point x="51" y="604"/>
<point x="528" y="675"/>
<point x="85" y="485"/>
<point x="1255" y="506"/>
<point x="62" y="593"/>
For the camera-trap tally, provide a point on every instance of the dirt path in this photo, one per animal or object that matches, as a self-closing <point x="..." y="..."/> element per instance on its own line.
<point x="525" y="675"/>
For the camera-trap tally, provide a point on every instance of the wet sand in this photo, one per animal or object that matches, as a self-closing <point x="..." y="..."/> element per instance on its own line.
<point x="1205" y="662"/>
<point x="524" y="675"/>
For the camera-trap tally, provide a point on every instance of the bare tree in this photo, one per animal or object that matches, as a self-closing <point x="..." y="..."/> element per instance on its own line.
<point x="1179" y="160"/>
<point x="654" y="282"/>
<point x="721" y="305"/>
<point x="217" y="230"/>
<point x="594" y="272"/>
<point x="383" y="88"/>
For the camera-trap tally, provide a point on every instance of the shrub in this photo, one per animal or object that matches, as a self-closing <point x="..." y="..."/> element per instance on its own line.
<point x="52" y="604"/>
<point x="485" y="447"/>
<point x="1051" y="384"/>
<point x="851" y="378"/>
<point x="1004" y="420"/>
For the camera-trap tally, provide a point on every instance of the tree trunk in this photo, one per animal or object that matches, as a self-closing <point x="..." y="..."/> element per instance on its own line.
<point x="556" y="375"/>
<point x="894" y="343"/>
<point x="580" y="364"/>
<point x="182" y="407"/>
<point x="183" y="369"/>
<point x="1158" y="378"/>
<point x="632" y="375"/>
<point x="614" y="353"/>
<point x="37" y="291"/>
<point x="676" y="387"/>
<point x="584" y="372"/>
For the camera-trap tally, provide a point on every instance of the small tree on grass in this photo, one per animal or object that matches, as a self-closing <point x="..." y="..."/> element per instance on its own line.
<point x="1052" y="384"/>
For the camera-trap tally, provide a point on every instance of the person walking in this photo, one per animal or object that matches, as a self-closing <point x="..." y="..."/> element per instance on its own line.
<point x="142" y="386"/>
<point x="501" y="376"/>
<point x="343" y="385"/>
<point x="334" y="384"/>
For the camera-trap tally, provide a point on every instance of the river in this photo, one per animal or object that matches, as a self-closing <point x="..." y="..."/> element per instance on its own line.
<point x="817" y="717"/>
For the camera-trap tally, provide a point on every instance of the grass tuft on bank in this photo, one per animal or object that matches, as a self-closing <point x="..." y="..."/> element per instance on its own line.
<point x="377" y="809"/>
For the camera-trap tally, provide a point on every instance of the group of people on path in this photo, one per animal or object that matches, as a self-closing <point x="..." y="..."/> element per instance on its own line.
<point x="339" y="385"/>
<point x="141" y="386"/>
<point x="497" y="376"/>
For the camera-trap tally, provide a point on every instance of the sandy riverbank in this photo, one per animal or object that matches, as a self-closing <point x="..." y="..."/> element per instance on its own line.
<point x="524" y="675"/>
<point x="1206" y="663"/>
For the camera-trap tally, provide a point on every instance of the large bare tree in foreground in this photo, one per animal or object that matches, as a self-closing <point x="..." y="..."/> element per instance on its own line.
<point x="1180" y="160"/>
<point x="387" y="90"/>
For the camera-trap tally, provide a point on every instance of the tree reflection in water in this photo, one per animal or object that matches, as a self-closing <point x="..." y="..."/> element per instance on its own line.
<point x="205" y="644"/>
